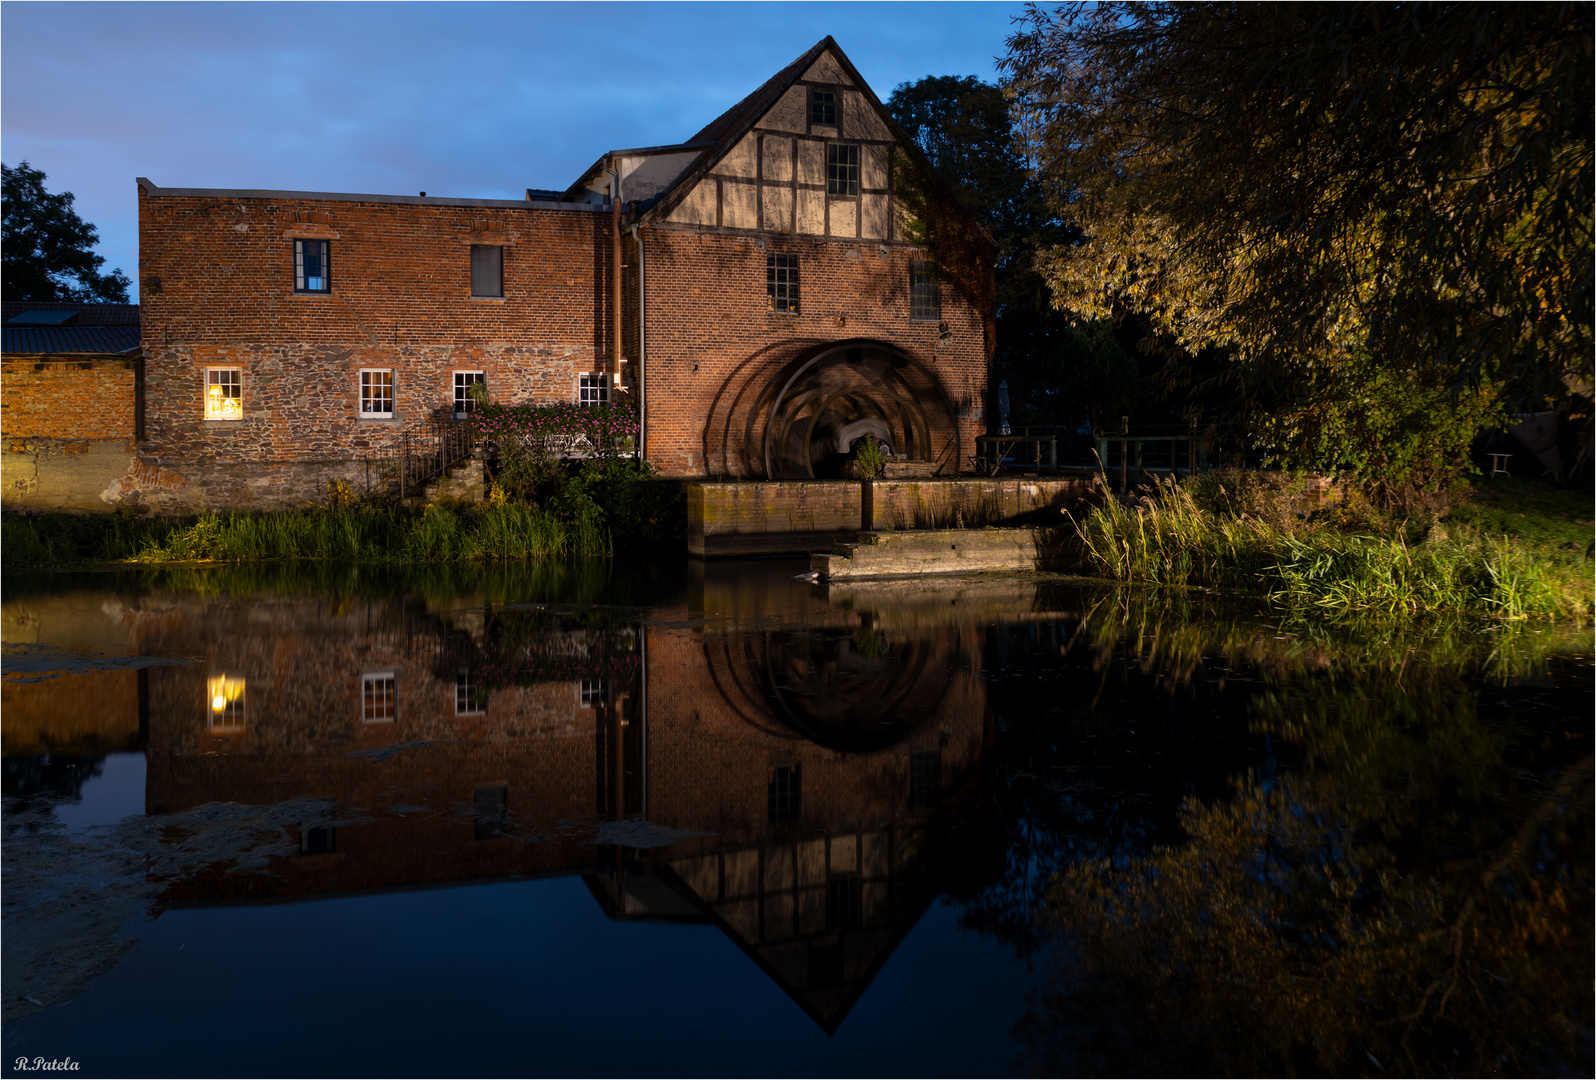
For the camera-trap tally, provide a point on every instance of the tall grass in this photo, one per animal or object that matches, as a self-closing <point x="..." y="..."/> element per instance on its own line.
<point x="371" y="534"/>
<point x="1171" y="540"/>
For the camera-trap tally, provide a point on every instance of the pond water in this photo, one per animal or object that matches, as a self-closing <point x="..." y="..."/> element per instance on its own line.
<point x="718" y="819"/>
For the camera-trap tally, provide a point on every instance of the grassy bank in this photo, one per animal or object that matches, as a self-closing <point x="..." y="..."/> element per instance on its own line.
<point x="1509" y="551"/>
<point x="364" y="533"/>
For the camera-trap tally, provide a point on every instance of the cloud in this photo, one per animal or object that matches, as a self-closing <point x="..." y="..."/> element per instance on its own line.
<point x="480" y="100"/>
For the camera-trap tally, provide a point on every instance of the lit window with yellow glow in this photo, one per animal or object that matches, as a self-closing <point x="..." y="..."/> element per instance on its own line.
<point x="224" y="394"/>
<point x="225" y="704"/>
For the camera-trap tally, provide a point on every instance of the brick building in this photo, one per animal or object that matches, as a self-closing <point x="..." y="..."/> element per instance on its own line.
<point x="752" y="291"/>
<point x="70" y="391"/>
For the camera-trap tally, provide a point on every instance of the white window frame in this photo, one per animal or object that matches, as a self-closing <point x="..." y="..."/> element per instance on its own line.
<point x="301" y="280"/>
<point x="591" y="693"/>
<point x="462" y="695"/>
<point x="368" y="714"/>
<point x="461" y="401"/>
<point x="596" y="381"/>
<point x="222" y="412"/>
<point x="363" y="385"/>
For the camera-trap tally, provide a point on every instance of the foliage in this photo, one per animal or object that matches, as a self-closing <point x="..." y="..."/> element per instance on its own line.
<point x="964" y="129"/>
<point x="1403" y="442"/>
<point x="556" y="429"/>
<point x="870" y="458"/>
<point x="1088" y="364"/>
<point x="1349" y="200"/>
<point x="49" y="250"/>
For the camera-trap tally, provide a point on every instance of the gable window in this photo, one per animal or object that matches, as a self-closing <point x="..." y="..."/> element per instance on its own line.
<point x="487" y="270"/>
<point x="924" y="301"/>
<point x="311" y="258"/>
<point x="224" y="393"/>
<point x="842" y="169"/>
<point x="464" y="402"/>
<point x="781" y="282"/>
<point x="823" y="106"/>
<point x="593" y="389"/>
<point x="376" y="393"/>
<point x="379" y="699"/>
<point x="786" y="794"/>
<point x="844" y="902"/>
<point x="591" y="693"/>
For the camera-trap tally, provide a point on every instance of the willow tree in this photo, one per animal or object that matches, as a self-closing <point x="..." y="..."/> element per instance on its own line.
<point x="1381" y="212"/>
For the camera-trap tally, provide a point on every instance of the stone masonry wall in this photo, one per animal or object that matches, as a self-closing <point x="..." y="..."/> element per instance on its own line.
<point x="217" y="289"/>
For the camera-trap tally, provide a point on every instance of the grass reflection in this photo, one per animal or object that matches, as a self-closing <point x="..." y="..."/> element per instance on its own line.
<point x="1399" y="880"/>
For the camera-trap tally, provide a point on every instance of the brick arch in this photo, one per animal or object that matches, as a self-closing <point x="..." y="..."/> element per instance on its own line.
<point x="779" y="411"/>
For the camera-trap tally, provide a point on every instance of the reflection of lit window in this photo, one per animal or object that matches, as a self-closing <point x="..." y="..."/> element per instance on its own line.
<point x="225" y="697"/>
<point x="468" y="700"/>
<point x="224" y="394"/>
<point x="594" y="692"/>
<point x="378" y="697"/>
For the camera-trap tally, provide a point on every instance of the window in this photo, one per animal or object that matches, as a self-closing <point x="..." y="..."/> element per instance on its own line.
<point x="822" y="106"/>
<point x="224" y="393"/>
<point x="318" y="840"/>
<point x="487" y="270"/>
<point x="786" y="794"/>
<point x="468" y="700"/>
<point x="378" y="698"/>
<point x="224" y="694"/>
<point x="844" y="902"/>
<point x="781" y="282"/>
<point x="376" y="393"/>
<point x="924" y="301"/>
<point x="842" y="169"/>
<point x="593" y="389"/>
<point x="464" y="403"/>
<point x="593" y="692"/>
<point x="925" y="776"/>
<point x="492" y="811"/>
<point x="311" y="266"/>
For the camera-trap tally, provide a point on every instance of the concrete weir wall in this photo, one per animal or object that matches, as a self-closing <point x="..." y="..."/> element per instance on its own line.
<point x="795" y="517"/>
<point x="945" y="551"/>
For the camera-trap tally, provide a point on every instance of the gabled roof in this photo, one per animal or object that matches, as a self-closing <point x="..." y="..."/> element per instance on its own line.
<point x="726" y="130"/>
<point x="89" y="329"/>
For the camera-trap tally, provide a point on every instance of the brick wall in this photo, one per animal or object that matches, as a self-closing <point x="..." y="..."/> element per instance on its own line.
<point x="52" y="397"/>
<point x="712" y="341"/>
<point x="67" y="425"/>
<point x="217" y="288"/>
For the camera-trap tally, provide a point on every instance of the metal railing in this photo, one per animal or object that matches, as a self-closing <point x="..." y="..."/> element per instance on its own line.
<point x="420" y="455"/>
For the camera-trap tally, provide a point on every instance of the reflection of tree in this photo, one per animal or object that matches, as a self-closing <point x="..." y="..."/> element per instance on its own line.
<point x="1416" y="899"/>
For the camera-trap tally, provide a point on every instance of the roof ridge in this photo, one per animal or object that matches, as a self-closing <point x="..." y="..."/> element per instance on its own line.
<point x="717" y="129"/>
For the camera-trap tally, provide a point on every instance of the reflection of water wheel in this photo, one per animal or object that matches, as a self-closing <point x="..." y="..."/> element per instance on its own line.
<point x="844" y="689"/>
<point x="803" y="417"/>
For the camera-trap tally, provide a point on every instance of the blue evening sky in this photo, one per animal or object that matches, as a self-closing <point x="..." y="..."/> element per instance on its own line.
<point x="474" y="100"/>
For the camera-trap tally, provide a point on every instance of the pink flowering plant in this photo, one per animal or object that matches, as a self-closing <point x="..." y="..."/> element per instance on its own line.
<point x="562" y="430"/>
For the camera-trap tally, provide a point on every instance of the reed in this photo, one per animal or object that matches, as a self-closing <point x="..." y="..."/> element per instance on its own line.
<point x="1172" y="540"/>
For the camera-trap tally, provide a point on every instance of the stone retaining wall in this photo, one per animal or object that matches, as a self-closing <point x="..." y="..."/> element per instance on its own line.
<point x="802" y="516"/>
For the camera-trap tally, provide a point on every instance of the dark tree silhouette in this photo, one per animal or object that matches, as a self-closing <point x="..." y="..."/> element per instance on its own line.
<point x="49" y="251"/>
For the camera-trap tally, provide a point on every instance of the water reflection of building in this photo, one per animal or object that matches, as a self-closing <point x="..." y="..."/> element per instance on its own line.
<point x="801" y="754"/>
